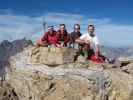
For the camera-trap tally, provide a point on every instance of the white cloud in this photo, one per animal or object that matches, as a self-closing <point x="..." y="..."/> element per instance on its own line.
<point x="68" y="19"/>
<point x="115" y="34"/>
<point x="17" y="26"/>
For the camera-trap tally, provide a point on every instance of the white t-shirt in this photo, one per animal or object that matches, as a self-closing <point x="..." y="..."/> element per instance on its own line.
<point x="94" y="41"/>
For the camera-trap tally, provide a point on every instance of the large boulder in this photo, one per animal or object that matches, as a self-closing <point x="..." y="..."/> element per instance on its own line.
<point x="52" y="56"/>
<point x="37" y="81"/>
<point x="128" y="68"/>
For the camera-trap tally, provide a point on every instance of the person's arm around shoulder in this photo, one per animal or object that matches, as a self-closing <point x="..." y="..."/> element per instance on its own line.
<point x="82" y="39"/>
<point x="71" y="37"/>
<point x="44" y="37"/>
<point x="58" y="35"/>
<point x="58" y="42"/>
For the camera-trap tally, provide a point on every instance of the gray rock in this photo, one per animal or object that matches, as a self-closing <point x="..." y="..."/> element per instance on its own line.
<point x="37" y="81"/>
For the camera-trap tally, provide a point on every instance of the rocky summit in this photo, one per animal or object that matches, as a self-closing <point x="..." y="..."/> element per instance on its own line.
<point x="52" y="56"/>
<point x="33" y="76"/>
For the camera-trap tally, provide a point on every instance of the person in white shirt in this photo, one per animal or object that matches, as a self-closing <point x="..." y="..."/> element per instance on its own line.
<point x="90" y="41"/>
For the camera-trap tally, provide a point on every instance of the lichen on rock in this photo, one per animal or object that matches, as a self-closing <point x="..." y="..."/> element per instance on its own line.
<point x="45" y="74"/>
<point x="52" y="56"/>
<point x="66" y="81"/>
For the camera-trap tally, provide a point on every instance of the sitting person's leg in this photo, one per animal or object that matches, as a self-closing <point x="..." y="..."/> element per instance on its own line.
<point x="99" y="59"/>
<point x="102" y="57"/>
<point x="84" y="50"/>
<point x="90" y="54"/>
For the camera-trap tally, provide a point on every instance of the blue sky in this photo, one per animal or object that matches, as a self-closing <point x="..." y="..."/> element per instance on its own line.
<point x="113" y="18"/>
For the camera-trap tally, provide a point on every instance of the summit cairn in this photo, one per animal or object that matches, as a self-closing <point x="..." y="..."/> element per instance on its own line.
<point x="52" y="56"/>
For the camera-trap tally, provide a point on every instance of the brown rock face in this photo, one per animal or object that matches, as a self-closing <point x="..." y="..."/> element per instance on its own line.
<point x="7" y="92"/>
<point x="127" y="65"/>
<point x="52" y="56"/>
<point x="69" y="81"/>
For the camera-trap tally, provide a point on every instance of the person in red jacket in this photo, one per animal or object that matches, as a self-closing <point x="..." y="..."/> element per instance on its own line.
<point x="49" y="38"/>
<point x="63" y="36"/>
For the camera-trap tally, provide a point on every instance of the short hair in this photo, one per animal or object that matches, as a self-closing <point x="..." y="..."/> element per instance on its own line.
<point x="51" y="26"/>
<point x="62" y="25"/>
<point x="76" y="25"/>
<point x="91" y="26"/>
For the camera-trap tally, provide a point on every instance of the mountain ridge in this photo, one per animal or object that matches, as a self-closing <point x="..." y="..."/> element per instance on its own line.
<point x="9" y="48"/>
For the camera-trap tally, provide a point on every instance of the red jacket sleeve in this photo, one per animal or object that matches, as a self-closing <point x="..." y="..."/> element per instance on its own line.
<point x="58" y="35"/>
<point x="44" y="37"/>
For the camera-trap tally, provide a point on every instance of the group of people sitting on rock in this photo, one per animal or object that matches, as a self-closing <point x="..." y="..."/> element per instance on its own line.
<point x="87" y="44"/>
